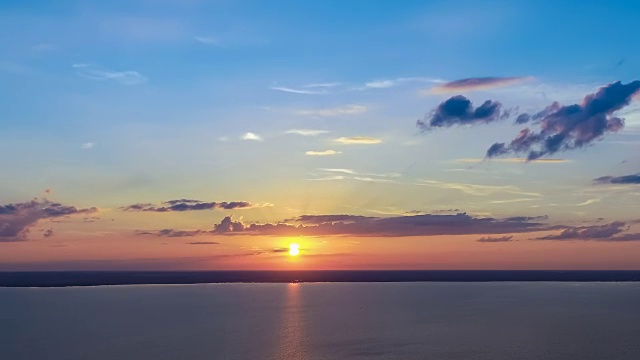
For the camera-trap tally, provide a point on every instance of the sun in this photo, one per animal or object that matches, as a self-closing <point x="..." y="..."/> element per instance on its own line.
<point x="294" y="249"/>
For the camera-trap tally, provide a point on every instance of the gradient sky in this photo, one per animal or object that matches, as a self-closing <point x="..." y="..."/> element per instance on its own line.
<point x="390" y="135"/>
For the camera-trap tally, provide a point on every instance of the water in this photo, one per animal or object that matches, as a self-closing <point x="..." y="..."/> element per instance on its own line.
<point x="323" y="321"/>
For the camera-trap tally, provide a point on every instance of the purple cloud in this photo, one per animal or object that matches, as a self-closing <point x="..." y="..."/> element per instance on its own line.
<point x="573" y="126"/>
<point x="399" y="226"/>
<point x="478" y="83"/>
<point x="187" y="205"/>
<point x="608" y="232"/>
<point x="16" y="220"/>
<point x="625" y="179"/>
<point x="489" y="239"/>
<point x="458" y="110"/>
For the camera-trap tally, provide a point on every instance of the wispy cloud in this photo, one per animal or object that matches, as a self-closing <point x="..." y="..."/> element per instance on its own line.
<point x="353" y="172"/>
<point x="207" y="40"/>
<point x="341" y="87"/>
<point x="322" y="153"/>
<point x="298" y="91"/>
<point x="389" y="83"/>
<point x="478" y="190"/>
<point x="42" y="47"/>
<point x="88" y="145"/>
<point x="328" y="174"/>
<point x="307" y="132"/>
<point x="359" y="140"/>
<point x="351" y="109"/>
<point x="323" y="85"/>
<point x="251" y="136"/>
<point x="95" y="72"/>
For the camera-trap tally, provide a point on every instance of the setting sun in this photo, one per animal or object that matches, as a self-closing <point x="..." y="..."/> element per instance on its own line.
<point x="294" y="249"/>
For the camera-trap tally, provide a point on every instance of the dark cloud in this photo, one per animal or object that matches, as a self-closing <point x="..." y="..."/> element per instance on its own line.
<point x="17" y="219"/>
<point x="478" y="83"/>
<point x="172" y="233"/>
<point x="362" y="226"/>
<point x="573" y="126"/>
<point x="48" y="233"/>
<point x="204" y="243"/>
<point x="489" y="239"/>
<point x="458" y="110"/>
<point x="187" y="205"/>
<point x="625" y="179"/>
<point x="320" y="219"/>
<point x="525" y="118"/>
<point x="607" y="232"/>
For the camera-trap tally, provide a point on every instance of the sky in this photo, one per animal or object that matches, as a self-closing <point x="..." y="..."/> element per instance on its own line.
<point x="188" y="135"/>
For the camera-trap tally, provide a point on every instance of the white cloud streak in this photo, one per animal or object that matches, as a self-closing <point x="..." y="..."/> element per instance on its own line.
<point x="307" y="132"/>
<point x="95" y="72"/>
<point x="351" y="109"/>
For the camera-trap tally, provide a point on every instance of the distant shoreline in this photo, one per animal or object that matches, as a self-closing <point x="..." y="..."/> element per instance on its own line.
<point x="97" y="278"/>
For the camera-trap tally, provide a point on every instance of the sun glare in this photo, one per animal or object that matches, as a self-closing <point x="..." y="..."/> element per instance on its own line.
<point x="294" y="249"/>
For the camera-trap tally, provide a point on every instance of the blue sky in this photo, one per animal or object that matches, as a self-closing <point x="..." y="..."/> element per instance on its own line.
<point x="108" y="104"/>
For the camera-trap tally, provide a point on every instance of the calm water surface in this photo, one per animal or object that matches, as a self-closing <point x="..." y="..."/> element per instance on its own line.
<point x="324" y="321"/>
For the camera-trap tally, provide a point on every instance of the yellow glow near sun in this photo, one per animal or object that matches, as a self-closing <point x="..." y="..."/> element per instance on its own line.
<point x="294" y="249"/>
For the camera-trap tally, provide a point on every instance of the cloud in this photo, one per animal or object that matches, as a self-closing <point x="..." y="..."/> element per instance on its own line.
<point x="573" y="126"/>
<point x="251" y="136"/>
<point x="353" y="172"/>
<point x="191" y="205"/>
<point x="329" y="174"/>
<point x="204" y="243"/>
<point x="298" y="91"/>
<point x="339" y="87"/>
<point x="322" y="153"/>
<point x="307" y="132"/>
<point x="171" y="233"/>
<point x="323" y="85"/>
<point x="458" y="110"/>
<point x="43" y="47"/>
<point x="17" y="219"/>
<point x="525" y="117"/>
<point x="608" y="232"/>
<point x="88" y="145"/>
<point x="358" y="140"/>
<point x="399" y="226"/>
<point x="479" y="83"/>
<point x="351" y="109"/>
<point x="95" y="72"/>
<point x="489" y="239"/>
<point x="625" y="179"/>
<point x="478" y="190"/>
<point x="515" y="160"/>
<point x="207" y="40"/>
<point x="388" y="83"/>
<point x="322" y="219"/>
<point x="48" y="233"/>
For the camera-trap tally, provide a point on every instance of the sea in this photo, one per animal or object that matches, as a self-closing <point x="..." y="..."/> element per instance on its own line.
<point x="307" y="321"/>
